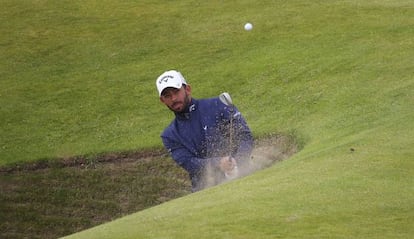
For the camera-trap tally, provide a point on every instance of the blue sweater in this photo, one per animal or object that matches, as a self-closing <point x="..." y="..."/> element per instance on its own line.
<point x="200" y="137"/>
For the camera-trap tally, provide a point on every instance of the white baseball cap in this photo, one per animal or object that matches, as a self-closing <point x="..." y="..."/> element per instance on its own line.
<point x="170" y="78"/>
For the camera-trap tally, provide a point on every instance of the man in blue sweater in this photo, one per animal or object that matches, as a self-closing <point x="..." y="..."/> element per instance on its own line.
<point x="199" y="138"/>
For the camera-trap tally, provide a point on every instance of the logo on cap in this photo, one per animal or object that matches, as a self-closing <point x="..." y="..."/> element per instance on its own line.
<point x="165" y="79"/>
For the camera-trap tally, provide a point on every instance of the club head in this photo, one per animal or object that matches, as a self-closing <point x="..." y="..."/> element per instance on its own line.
<point x="226" y="99"/>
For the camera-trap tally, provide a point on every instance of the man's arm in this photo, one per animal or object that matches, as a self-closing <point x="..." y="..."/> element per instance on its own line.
<point x="185" y="158"/>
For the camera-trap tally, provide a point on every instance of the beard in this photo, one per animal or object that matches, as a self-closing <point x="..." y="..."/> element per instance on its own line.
<point x="184" y="105"/>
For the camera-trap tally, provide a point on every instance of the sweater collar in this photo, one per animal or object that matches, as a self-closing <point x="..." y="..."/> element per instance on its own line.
<point x="186" y="114"/>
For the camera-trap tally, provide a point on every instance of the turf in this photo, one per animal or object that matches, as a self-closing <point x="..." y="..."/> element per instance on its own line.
<point x="78" y="79"/>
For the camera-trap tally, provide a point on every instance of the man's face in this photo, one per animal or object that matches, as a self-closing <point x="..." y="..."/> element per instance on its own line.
<point x="176" y="100"/>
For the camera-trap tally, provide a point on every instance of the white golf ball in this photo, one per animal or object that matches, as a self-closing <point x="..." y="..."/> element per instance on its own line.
<point x="248" y="26"/>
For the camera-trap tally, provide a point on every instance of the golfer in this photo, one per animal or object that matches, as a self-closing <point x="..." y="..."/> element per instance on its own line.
<point x="198" y="137"/>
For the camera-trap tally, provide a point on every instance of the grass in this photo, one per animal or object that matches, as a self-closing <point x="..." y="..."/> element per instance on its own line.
<point x="78" y="79"/>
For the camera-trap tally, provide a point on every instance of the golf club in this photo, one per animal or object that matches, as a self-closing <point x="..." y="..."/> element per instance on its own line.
<point x="225" y="98"/>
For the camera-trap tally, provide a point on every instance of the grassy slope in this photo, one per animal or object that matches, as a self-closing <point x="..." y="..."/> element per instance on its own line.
<point x="338" y="75"/>
<point x="78" y="79"/>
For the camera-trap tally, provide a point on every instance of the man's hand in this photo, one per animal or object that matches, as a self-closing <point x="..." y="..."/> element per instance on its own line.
<point x="227" y="164"/>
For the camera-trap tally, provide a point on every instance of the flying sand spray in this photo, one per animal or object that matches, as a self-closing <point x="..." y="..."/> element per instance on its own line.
<point x="263" y="155"/>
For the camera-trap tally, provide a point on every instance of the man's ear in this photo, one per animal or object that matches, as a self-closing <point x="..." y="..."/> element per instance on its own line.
<point x="161" y="100"/>
<point x="188" y="89"/>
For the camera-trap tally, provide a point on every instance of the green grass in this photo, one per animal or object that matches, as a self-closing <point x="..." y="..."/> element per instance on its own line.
<point x="78" y="79"/>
